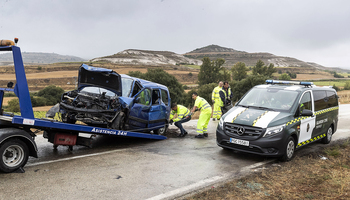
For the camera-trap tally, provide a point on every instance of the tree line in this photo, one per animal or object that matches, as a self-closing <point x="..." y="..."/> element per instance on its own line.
<point x="211" y="72"/>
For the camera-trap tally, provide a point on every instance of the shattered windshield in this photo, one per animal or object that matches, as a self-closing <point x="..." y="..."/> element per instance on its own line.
<point x="126" y="86"/>
<point x="98" y="90"/>
<point x="270" y="98"/>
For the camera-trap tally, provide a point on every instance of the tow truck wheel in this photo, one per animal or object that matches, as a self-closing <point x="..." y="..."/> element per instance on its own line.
<point x="162" y="130"/>
<point x="289" y="150"/>
<point x="14" y="154"/>
<point x="328" y="138"/>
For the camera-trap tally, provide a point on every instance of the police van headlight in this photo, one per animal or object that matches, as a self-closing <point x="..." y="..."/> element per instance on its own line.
<point x="221" y="123"/>
<point x="273" y="130"/>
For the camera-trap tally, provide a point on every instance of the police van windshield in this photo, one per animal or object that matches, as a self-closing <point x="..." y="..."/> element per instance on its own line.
<point x="275" y="99"/>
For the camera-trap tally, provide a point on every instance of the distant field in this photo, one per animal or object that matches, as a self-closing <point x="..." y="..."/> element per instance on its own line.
<point x="340" y="83"/>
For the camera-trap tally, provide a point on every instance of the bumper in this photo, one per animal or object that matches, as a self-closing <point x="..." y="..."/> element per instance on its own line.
<point x="273" y="146"/>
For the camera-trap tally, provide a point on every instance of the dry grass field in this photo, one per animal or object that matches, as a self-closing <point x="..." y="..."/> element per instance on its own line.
<point x="306" y="177"/>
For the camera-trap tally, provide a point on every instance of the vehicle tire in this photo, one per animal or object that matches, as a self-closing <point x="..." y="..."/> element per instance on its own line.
<point x="328" y="138"/>
<point x="289" y="150"/>
<point x="162" y="130"/>
<point x="14" y="154"/>
<point x="119" y="122"/>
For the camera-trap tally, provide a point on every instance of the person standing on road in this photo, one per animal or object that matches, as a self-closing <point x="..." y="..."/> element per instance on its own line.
<point x="183" y="115"/>
<point x="215" y="97"/>
<point x="202" y="124"/>
<point x="225" y="97"/>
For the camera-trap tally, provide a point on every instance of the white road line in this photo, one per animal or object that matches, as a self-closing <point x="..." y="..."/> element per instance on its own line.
<point x="72" y="158"/>
<point x="203" y="183"/>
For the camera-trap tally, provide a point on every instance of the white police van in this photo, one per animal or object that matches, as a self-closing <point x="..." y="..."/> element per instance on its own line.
<point x="277" y="118"/>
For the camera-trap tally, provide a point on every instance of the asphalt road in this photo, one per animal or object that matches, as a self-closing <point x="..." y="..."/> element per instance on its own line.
<point x="122" y="168"/>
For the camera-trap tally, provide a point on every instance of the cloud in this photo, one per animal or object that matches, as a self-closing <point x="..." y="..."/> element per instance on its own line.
<point x="307" y="30"/>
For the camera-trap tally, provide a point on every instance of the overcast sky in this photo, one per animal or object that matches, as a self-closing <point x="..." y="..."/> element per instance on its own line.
<point x="309" y="30"/>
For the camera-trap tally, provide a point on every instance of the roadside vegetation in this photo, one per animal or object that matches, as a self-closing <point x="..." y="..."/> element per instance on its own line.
<point x="321" y="174"/>
<point x="46" y="97"/>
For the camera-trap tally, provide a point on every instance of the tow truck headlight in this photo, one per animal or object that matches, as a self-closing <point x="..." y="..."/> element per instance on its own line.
<point x="221" y="123"/>
<point x="273" y="130"/>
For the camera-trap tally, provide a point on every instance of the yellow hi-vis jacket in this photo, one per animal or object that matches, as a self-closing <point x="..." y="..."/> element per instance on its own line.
<point x="181" y="112"/>
<point x="202" y="105"/>
<point x="215" y="96"/>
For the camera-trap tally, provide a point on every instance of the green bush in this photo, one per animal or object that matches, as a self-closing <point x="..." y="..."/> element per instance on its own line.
<point x="160" y="76"/>
<point x="284" y="76"/>
<point x="336" y="88"/>
<point x="13" y="105"/>
<point x="347" y="85"/>
<point x="52" y="94"/>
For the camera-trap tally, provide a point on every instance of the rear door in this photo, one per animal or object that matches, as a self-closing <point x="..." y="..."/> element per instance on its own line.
<point x="158" y="113"/>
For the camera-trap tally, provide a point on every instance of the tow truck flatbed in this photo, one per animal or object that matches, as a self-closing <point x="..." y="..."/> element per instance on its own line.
<point x="16" y="137"/>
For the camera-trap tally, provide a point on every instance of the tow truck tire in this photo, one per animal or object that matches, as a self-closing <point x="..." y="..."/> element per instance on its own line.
<point x="328" y="138"/>
<point x="289" y="150"/>
<point x="162" y="130"/>
<point x="14" y="154"/>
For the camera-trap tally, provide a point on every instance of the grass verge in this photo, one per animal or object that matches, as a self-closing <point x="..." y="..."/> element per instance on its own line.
<point x="321" y="174"/>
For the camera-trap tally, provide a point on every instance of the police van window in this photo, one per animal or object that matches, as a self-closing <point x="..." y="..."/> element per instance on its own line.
<point x="320" y="99"/>
<point x="305" y="102"/>
<point x="332" y="99"/>
<point x="144" y="97"/>
<point x="165" y="97"/>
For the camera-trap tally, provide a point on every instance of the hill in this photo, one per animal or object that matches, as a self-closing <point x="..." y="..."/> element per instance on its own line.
<point x="39" y="58"/>
<point x="146" y="57"/>
<point x="233" y="56"/>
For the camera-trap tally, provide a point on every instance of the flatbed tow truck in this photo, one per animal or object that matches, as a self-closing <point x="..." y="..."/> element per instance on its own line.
<point x="17" y="138"/>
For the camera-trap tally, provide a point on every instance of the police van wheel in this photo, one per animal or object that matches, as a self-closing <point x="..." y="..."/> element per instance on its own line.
<point x="289" y="150"/>
<point x="328" y="138"/>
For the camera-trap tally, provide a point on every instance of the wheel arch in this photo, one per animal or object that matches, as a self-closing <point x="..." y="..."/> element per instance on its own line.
<point x="7" y="134"/>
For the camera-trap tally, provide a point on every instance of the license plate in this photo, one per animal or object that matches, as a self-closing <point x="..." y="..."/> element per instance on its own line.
<point x="240" y="142"/>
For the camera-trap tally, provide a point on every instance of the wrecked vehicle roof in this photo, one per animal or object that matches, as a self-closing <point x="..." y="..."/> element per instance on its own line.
<point x="109" y="79"/>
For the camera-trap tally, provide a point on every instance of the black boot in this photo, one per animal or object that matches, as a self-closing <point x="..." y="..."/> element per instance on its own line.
<point x="199" y="136"/>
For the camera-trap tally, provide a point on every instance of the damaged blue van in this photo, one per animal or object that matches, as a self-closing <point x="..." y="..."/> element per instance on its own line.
<point x="105" y="98"/>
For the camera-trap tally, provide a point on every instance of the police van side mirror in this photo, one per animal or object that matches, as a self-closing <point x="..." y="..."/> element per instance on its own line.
<point x="306" y="112"/>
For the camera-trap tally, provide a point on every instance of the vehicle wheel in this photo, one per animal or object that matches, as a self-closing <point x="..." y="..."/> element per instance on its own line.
<point x="14" y="154"/>
<point x="328" y="138"/>
<point x="162" y="130"/>
<point x="289" y="150"/>
<point x="119" y="122"/>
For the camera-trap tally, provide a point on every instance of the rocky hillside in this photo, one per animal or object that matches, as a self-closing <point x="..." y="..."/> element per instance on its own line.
<point x="144" y="57"/>
<point x="39" y="58"/>
<point x="232" y="56"/>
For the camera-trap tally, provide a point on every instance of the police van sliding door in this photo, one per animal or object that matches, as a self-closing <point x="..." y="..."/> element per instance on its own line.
<point x="307" y="125"/>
